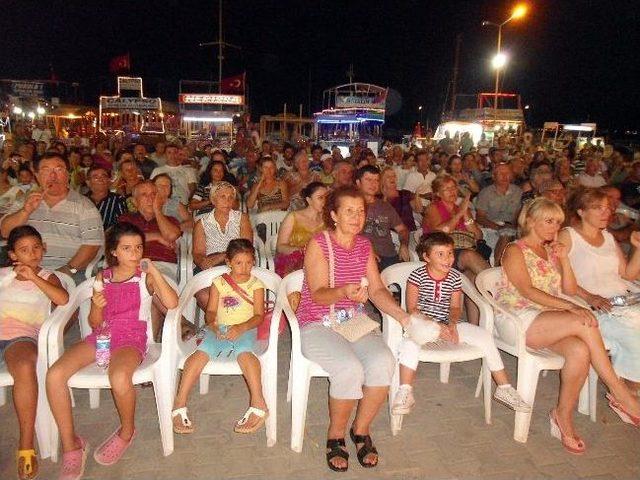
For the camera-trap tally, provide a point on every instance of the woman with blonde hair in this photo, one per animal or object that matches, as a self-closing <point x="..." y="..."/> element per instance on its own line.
<point x="537" y="277"/>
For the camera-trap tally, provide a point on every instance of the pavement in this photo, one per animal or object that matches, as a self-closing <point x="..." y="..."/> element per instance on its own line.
<point x="445" y="437"/>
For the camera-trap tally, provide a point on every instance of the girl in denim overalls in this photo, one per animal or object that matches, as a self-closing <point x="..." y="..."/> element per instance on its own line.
<point x="124" y="307"/>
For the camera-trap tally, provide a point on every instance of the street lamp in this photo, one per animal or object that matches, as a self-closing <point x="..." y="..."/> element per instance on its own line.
<point x="420" y="110"/>
<point x="500" y="59"/>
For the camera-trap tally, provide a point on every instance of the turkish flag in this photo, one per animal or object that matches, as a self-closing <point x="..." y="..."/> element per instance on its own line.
<point x="121" y="63"/>
<point x="233" y="85"/>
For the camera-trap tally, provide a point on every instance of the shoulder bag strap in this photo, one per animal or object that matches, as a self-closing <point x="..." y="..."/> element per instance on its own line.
<point x="331" y="260"/>
<point x="237" y="288"/>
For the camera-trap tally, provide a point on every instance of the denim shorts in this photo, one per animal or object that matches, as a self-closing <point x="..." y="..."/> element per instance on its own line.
<point x="4" y="344"/>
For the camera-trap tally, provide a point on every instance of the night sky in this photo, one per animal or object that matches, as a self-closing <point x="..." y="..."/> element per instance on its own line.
<point x="571" y="61"/>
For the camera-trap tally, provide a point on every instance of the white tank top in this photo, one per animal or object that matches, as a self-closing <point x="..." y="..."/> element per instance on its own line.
<point x="596" y="268"/>
<point x="217" y="239"/>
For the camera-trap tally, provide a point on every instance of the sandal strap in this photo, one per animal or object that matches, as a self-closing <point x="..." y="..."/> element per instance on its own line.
<point x="183" y="416"/>
<point x="258" y="412"/>
<point x="336" y="442"/>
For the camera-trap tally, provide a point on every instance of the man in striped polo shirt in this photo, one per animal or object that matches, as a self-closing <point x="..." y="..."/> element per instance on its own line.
<point x="68" y="222"/>
<point x="109" y="204"/>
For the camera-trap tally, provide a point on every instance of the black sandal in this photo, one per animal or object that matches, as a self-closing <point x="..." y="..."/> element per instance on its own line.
<point x="366" y="449"/>
<point x="334" y="444"/>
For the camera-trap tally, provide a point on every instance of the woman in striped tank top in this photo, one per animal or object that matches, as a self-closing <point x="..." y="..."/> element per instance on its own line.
<point x="359" y="372"/>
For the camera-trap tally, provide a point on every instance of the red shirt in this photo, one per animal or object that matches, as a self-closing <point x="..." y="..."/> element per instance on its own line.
<point x="155" y="251"/>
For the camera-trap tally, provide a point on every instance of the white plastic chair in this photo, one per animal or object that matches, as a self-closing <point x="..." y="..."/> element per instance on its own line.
<point x="185" y="259"/>
<point x="443" y="353"/>
<point x="97" y="260"/>
<point x="301" y="369"/>
<point x="267" y="351"/>
<point x="153" y="369"/>
<point x="510" y="338"/>
<point x="266" y="249"/>
<point x="43" y="413"/>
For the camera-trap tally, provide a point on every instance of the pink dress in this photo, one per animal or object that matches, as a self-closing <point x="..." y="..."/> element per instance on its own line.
<point x="127" y="313"/>
<point x="350" y="267"/>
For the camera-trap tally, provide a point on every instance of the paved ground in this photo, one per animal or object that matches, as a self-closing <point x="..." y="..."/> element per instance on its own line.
<point x="445" y="437"/>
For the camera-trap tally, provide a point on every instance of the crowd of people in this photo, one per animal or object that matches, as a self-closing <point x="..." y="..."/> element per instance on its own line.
<point x="560" y="222"/>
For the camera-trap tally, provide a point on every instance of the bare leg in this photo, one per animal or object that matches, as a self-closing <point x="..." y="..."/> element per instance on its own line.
<point x="500" y="377"/>
<point x="552" y="326"/>
<point x="471" y="263"/>
<point x="190" y="373"/>
<point x="78" y="356"/>
<point x="368" y="407"/>
<point x="122" y="365"/>
<point x="572" y="378"/>
<point x="339" y="413"/>
<point x="407" y="375"/>
<point x="202" y="298"/>
<point x="503" y="241"/>
<point x="251" y="370"/>
<point x="158" y="312"/>
<point x="21" y="359"/>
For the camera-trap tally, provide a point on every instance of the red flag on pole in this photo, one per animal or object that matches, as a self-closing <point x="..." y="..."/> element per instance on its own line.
<point x="121" y="63"/>
<point x="233" y="85"/>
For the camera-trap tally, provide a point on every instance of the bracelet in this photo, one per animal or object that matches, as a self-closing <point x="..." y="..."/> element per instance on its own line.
<point x="469" y="221"/>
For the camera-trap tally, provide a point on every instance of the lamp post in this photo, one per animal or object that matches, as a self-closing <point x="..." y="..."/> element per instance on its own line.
<point x="500" y="60"/>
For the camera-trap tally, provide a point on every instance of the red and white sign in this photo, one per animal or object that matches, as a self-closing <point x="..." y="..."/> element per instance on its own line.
<point x="211" y="98"/>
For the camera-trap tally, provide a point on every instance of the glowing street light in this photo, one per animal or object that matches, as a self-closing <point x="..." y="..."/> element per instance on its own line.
<point x="40" y="110"/>
<point x="500" y="60"/>
<point x="17" y="110"/>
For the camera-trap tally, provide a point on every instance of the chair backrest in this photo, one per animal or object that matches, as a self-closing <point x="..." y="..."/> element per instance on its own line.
<point x="271" y="220"/>
<point x="509" y="336"/>
<point x="399" y="273"/>
<point x="291" y="283"/>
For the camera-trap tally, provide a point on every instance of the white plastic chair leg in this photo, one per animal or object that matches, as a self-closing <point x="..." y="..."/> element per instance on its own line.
<point x="94" y="397"/>
<point x="445" y="368"/>
<point x="589" y="395"/>
<point x="299" y="399"/>
<point x="528" y="374"/>
<point x="3" y="396"/>
<point x="164" y="400"/>
<point x="480" y="383"/>
<point x="270" y="390"/>
<point x="394" y="420"/>
<point x="204" y="384"/>
<point x="289" y="382"/>
<point x="486" y="373"/>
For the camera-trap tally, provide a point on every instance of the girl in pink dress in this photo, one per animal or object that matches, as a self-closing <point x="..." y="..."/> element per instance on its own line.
<point x="124" y="308"/>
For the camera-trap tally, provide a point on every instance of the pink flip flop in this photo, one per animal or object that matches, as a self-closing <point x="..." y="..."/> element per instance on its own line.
<point x="112" y="449"/>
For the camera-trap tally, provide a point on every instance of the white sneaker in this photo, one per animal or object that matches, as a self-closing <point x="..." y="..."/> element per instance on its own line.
<point x="404" y="401"/>
<point x="510" y="397"/>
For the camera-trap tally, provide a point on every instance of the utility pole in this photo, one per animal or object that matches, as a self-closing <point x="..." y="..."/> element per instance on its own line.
<point x="221" y="46"/>
<point x="350" y="73"/>
<point x="456" y="65"/>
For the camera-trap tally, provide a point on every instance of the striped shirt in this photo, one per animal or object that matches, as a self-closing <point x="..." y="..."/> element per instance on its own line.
<point x="350" y="267"/>
<point x="434" y="296"/>
<point x="65" y="227"/>
<point x="110" y="208"/>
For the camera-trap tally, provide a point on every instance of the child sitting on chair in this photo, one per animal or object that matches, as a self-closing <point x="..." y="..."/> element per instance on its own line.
<point x="435" y="290"/>
<point x="122" y="306"/>
<point x="26" y="294"/>
<point x="234" y="311"/>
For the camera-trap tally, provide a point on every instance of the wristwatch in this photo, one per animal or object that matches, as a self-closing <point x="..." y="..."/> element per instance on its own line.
<point x="73" y="270"/>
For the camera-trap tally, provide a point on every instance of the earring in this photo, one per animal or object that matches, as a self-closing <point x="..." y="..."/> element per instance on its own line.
<point x="335" y="224"/>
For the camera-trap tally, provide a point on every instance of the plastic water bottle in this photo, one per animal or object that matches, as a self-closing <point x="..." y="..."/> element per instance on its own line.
<point x="103" y="348"/>
<point x="103" y="338"/>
